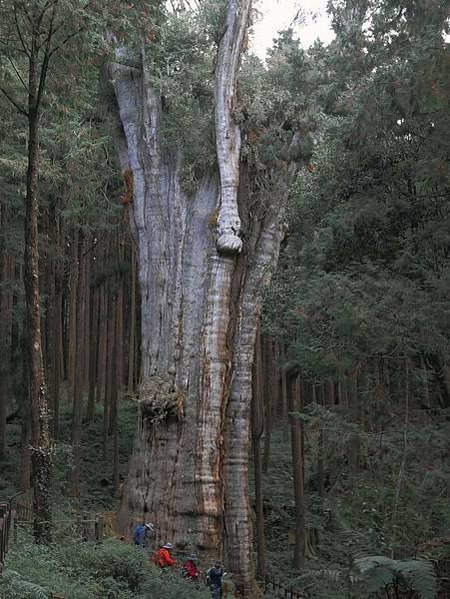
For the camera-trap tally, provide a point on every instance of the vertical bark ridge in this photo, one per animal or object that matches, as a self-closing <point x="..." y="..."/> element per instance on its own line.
<point x="237" y="421"/>
<point x="228" y="134"/>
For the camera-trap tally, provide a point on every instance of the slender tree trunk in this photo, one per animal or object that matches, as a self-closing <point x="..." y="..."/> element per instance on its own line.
<point x="114" y="365"/>
<point x="132" y="343"/>
<point x="103" y="341"/>
<point x="86" y="257"/>
<point x="25" y="412"/>
<point x="25" y="454"/>
<point x="284" y="397"/>
<point x="74" y="284"/>
<point x="93" y="355"/>
<point x="56" y="373"/>
<point x="117" y="377"/>
<point x="295" y="406"/>
<point x="6" y="312"/>
<point x="268" y="401"/>
<point x="77" y="396"/>
<point x="53" y="320"/>
<point x="257" y="431"/>
<point x="119" y="328"/>
<point x="41" y="450"/>
<point x="109" y="396"/>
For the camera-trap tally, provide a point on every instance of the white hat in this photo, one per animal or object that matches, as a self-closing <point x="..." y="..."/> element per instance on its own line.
<point x="168" y="546"/>
<point x="150" y="526"/>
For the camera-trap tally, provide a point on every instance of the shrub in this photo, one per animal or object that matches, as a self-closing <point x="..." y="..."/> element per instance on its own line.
<point x="84" y="570"/>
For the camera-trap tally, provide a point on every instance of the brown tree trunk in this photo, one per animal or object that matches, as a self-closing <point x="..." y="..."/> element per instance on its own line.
<point x="117" y="381"/>
<point x="257" y="431"/>
<point x="41" y="450"/>
<point x="103" y="343"/>
<point x="120" y="379"/>
<point x="109" y="396"/>
<point x="73" y="297"/>
<point x="93" y="355"/>
<point x="268" y="387"/>
<point x="6" y="312"/>
<point x="54" y="315"/>
<point x="77" y="395"/>
<point x="25" y="454"/>
<point x="295" y="406"/>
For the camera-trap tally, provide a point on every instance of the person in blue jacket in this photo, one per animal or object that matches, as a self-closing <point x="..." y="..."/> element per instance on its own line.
<point x="214" y="579"/>
<point x="142" y="533"/>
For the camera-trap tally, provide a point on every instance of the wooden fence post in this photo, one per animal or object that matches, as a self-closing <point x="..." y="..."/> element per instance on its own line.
<point x="99" y="528"/>
<point x="79" y="525"/>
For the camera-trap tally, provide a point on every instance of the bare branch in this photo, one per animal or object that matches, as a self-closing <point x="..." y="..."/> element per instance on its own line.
<point x="20" y="108"/>
<point x="19" y="33"/>
<point x="19" y="76"/>
<point x="65" y="40"/>
<point x="47" y="54"/>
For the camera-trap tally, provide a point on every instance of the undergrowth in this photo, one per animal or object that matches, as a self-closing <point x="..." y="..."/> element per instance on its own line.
<point x="363" y="539"/>
<point x="74" y="569"/>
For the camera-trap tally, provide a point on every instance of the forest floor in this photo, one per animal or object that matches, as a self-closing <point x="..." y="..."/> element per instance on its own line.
<point x="364" y="511"/>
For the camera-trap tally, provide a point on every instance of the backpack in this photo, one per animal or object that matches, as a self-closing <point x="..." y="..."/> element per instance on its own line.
<point x="138" y="534"/>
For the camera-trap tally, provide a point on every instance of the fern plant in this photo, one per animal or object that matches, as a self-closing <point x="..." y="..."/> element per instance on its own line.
<point x="14" y="586"/>
<point x="376" y="574"/>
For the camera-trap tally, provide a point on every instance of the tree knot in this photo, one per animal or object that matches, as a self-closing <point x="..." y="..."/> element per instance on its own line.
<point x="160" y="400"/>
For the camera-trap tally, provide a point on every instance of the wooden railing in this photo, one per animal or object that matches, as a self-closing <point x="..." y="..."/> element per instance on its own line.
<point x="6" y="520"/>
<point x="15" y="510"/>
<point x="281" y="590"/>
<point x="23" y="508"/>
<point x="90" y="528"/>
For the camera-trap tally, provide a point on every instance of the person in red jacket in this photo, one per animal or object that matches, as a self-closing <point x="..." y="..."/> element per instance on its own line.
<point x="190" y="568"/>
<point x="163" y="557"/>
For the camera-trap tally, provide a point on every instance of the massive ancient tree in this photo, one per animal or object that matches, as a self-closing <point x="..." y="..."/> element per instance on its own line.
<point x="205" y="256"/>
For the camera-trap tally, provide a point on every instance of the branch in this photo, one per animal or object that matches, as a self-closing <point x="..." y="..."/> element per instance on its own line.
<point x="47" y="55"/>
<point x="46" y="6"/>
<point x="17" y="73"/>
<point x="19" y="33"/>
<point x="20" y="108"/>
<point x="65" y="40"/>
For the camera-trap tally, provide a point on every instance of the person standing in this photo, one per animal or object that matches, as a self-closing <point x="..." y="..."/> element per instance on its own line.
<point x="190" y="568"/>
<point x="163" y="557"/>
<point x="214" y="579"/>
<point x="141" y="534"/>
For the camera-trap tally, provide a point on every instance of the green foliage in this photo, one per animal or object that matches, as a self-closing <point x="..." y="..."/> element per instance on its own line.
<point x="365" y="270"/>
<point x="13" y="585"/>
<point x="377" y="573"/>
<point x="83" y="570"/>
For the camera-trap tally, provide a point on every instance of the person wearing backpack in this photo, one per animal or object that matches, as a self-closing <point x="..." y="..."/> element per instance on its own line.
<point x="190" y="568"/>
<point x="163" y="557"/>
<point x="141" y="534"/>
<point x="214" y="579"/>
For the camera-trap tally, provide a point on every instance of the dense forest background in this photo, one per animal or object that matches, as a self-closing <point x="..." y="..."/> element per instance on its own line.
<point x="350" y="424"/>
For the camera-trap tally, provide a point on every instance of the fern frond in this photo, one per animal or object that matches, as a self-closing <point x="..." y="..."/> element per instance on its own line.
<point x="377" y="572"/>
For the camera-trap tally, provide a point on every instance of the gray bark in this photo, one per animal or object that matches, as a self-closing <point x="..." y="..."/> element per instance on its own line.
<point x="200" y="302"/>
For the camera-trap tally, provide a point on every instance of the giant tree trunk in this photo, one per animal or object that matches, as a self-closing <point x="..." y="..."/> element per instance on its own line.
<point x="200" y="302"/>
